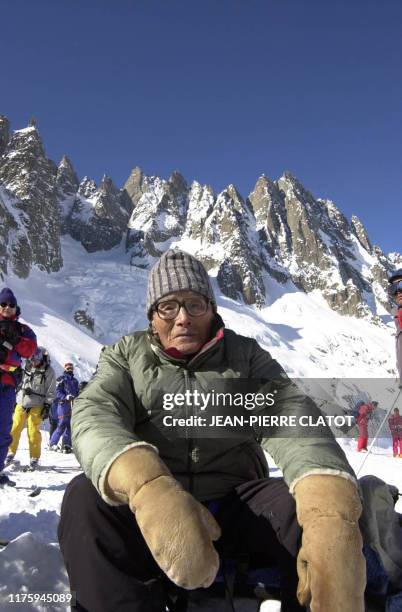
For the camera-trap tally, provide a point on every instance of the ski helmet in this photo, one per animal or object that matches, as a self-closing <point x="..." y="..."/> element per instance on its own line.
<point x="39" y="354"/>
<point x="395" y="275"/>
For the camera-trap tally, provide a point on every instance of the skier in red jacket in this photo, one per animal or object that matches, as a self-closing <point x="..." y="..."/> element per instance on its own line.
<point x="16" y="341"/>
<point x="395" y="425"/>
<point x="365" y="413"/>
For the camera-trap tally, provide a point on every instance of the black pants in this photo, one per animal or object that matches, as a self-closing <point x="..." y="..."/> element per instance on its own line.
<point x="112" y="570"/>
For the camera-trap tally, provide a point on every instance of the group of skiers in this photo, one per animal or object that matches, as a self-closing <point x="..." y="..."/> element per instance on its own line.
<point x="30" y="394"/>
<point x="363" y="413"/>
<point x="41" y="396"/>
<point x="364" y="410"/>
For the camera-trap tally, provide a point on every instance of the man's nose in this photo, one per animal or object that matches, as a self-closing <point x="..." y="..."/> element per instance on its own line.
<point x="183" y="316"/>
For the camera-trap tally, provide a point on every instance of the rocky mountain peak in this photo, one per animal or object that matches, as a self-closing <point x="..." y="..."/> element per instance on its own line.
<point x="87" y="188"/>
<point x="232" y="192"/>
<point x="266" y="201"/>
<point x="98" y="216"/>
<point x="159" y="214"/>
<point x="361" y="233"/>
<point x="4" y="133"/>
<point x="177" y="182"/>
<point x="30" y="178"/>
<point x="200" y="204"/>
<point x="66" y="180"/>
<point x="107" y="187"/>
<point x="333" y="218"/>
<point x="134" y="185"/>
<point x="293" y="189"/>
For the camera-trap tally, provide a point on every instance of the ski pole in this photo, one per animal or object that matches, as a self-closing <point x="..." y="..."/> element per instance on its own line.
<point x="378" y="431"/>
<point x="46" y="436"/>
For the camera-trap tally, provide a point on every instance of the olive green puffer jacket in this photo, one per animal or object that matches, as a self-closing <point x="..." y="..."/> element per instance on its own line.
<point x="121" y="407"/>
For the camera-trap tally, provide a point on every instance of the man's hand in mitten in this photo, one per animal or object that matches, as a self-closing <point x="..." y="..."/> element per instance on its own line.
<point x="330" y="564"/>
<point x="177" y="529"/>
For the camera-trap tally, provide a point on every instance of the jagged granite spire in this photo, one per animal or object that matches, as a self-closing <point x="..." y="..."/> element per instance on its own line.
<point x="30" y="177"/>
<point x="361" y="233"/>
<point x="4" y="133"/>
<point x="134" y="185"/>
<point x="99" y="215"/>
<point x="66" y="179"/>
<point x="87" y="188"/>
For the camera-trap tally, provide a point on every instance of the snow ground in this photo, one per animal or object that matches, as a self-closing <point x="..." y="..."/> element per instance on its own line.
<point x="32" y="562"/>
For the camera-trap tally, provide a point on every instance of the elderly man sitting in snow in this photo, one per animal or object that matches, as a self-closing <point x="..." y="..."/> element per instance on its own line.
<point x="150" y="510"/>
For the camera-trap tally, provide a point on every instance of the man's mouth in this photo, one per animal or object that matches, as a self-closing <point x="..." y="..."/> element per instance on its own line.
<point x="185" y="335"/>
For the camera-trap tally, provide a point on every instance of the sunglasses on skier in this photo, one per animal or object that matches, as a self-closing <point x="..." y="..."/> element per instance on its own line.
<point x="395" y="287"/>
<point x="4" y="304"/>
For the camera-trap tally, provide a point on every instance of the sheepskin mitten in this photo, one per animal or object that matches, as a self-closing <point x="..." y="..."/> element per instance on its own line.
<point x="330" y="564"/>
<point x="177" y="529"/>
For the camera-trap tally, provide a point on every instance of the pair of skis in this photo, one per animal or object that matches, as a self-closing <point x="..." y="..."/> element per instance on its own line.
<point x="33" y="491"/>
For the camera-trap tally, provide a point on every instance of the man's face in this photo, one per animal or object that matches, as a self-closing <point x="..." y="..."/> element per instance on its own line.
<point x="7" y="311"/>
<point x="398" y="296"/>
<point x="185" y="332"/>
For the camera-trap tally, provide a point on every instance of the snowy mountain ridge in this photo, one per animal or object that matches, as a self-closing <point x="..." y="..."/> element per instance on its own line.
<point x="286" y="266"/>
<point x="287" y="269"/>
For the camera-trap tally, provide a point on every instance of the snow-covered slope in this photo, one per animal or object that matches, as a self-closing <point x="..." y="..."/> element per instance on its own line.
<point x="300" y="330"/>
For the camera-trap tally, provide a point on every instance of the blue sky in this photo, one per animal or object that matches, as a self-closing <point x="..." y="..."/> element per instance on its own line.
<point x="221" y="90"/>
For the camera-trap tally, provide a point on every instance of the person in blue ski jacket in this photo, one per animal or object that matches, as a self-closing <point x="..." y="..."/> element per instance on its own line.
<point x="17" y="341"/>
<point x="66" y="392"/>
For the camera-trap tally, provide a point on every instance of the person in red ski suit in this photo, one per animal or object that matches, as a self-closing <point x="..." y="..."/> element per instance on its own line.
<point x="365" y="413"/>
<point x="395" y="425"/>
<point x="17" y="341"/>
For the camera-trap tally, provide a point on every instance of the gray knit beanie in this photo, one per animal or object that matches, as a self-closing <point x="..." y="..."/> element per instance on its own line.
<point x="177" y="271"/>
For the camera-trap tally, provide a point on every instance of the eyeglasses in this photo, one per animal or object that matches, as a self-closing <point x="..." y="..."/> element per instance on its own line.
<point x="169" y="309"/>
<point x="5" y="304"/>
<point x="395" y="287"/>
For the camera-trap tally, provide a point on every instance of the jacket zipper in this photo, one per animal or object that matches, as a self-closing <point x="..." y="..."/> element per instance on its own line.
<point x="192" y="450"/>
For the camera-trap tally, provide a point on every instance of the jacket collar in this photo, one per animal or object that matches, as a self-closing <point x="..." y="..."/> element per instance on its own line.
<point x="13" y="318"/>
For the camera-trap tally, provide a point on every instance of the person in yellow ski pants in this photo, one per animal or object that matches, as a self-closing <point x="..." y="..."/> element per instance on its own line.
<point x="34" y="419"/>
<point x="34" y="397"/>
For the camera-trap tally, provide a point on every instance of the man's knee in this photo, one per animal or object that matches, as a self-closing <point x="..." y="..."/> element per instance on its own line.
<point x="80" y="491"/>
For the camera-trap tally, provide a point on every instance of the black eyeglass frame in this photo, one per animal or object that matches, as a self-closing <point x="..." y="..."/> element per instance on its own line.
<point x="181" y="304"/>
